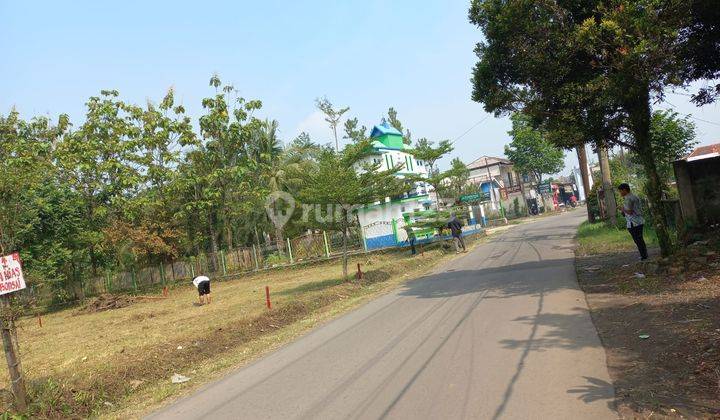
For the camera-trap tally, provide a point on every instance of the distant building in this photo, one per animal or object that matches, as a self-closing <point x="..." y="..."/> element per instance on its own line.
<point x="698" y="184"/>
<point x="379" y="221"/>
<point x="496" y="177"/>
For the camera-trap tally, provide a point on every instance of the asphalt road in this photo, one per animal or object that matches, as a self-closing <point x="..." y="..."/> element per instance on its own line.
<point x="502" y="332"/>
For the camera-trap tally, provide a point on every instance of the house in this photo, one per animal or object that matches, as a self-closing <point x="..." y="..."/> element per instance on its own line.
<point x="698" y="181"/>
<point x="498" y="172"/>
<point x="381" y="222"/>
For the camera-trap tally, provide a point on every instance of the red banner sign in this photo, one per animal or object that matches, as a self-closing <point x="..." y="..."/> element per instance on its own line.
<point x="11" y="275"/>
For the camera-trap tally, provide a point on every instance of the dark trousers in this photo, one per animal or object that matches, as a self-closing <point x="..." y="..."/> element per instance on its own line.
<point x="412" y="246"/>
<point x="637" y="234"/>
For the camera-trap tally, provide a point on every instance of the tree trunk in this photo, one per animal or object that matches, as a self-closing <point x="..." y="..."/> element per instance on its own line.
<point x="608" y="190"/>
<point x="279" y="242"/>
<point x="12" y="354"/>
<point x="344" y="253"/>
<point x="213" y="244"/>
<point x="640" y="116"/>
<point x="278" y="233"/>
<point x="228" y="235"/>
<point x="585" y="175"/>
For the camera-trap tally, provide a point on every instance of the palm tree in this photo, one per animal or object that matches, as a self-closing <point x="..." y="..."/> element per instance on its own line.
<point x="277" y="168"/>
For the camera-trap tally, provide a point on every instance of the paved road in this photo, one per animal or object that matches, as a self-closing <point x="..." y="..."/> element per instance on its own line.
<point x="502" y="332"/>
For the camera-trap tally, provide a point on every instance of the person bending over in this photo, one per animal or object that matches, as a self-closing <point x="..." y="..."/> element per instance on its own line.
<point x="203" y="286"/>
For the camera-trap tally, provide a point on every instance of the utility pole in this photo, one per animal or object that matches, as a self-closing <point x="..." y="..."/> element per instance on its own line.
<point x="610" y="204"/>
<point x="522" y="192"/>
<point x="584" y="173"/>
<point x="492" y="189"/>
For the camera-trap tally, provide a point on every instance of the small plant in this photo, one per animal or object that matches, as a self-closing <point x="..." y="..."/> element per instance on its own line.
<point x="276" y="258"/>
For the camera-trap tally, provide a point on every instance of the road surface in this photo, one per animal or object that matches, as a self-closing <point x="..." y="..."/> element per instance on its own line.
<point x="502" y="332"/>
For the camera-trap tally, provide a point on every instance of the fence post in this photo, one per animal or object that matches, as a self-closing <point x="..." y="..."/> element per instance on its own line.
<point x="192" y="267"/>
<point x="162" y="274"/>
<point x="327" y="248"/>
<point x="292" y="260"/>
<point x="222" y="262"/>
<point x="108" y="286"/>
<point x="257" y="265"/>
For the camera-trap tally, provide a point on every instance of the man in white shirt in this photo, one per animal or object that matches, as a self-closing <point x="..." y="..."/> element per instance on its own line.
<point x="203" y="285"/>
<point x="632" y="210"/>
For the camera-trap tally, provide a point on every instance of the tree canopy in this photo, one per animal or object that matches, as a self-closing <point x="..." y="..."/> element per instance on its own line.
<point x="588" y="70"/>
<point x="530" y="151"/>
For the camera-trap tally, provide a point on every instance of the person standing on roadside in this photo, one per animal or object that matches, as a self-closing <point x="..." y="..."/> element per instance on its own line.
<point x="456" y="229"/>
<point x="411" y="239"/>
<point x="632" y="210"/>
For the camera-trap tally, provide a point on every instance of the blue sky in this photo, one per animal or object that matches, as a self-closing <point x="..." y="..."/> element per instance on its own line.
<point x="368" y="55"/>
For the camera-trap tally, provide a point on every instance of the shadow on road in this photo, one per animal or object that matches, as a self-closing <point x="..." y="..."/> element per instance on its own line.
<point x="547" y="330"/>
<point x="501" y="282"/>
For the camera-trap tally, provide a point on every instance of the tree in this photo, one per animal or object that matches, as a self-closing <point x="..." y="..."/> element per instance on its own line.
<point x="227" y="127"/>
<point x="530" y="152"/>
<point x="342" y="181"/>
<point x="353" y="131"/>
<point x="425" y="151"/>
<point x="395" y="122"/>
<point x="701" y="49"/>
<point x="672" y="138"/>
<point x="589" y="65"/>
<point x="100" y="161"/>
<point x="332" y="116"/>
<point x="455" y="180"/>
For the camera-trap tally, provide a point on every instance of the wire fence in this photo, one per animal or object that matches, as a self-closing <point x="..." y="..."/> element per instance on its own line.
<point x="312" y="246"/>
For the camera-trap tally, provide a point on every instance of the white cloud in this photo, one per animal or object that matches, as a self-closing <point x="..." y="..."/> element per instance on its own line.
<point x="315" y="125"/>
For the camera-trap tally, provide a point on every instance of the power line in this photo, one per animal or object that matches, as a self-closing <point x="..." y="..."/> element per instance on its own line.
<point x="470" y="129"/>
<point x="691" y="116"/>
<point x="705" y="121"/>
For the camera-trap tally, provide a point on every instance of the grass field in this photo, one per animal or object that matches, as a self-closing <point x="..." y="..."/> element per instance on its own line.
<point x="118" y="363"/>
<point x="598" y="238"/>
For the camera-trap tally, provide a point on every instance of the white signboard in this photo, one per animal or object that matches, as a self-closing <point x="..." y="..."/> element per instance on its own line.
<point x="11" y="276"/>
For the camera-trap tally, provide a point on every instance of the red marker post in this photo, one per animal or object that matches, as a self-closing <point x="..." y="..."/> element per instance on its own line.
<point x="359" y="273"/>
<point x="267" y="297"/>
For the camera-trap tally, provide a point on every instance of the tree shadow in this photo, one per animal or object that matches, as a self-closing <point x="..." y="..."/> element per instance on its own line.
<point x="595" y="390"/>
<point x="529" y="278"/>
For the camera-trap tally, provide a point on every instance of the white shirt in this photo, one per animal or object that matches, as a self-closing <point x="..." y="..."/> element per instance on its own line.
<point x="632" y="203"/>
<point x="199" y="279"/>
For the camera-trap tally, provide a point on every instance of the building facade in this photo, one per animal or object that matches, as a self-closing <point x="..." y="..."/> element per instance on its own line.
<point x="381" y="222"/>
<point x="497" y="179"/>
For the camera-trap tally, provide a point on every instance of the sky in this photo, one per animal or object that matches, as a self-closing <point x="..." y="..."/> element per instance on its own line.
<point x="366" y="54"/>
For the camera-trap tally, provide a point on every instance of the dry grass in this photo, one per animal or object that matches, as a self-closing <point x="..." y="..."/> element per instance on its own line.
<point x="118" y="363"/>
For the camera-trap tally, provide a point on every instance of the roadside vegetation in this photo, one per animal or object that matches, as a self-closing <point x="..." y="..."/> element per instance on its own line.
<point x="116" y="359"/>
<point x="599" y="238"/>
<point x="659" y="321"/>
